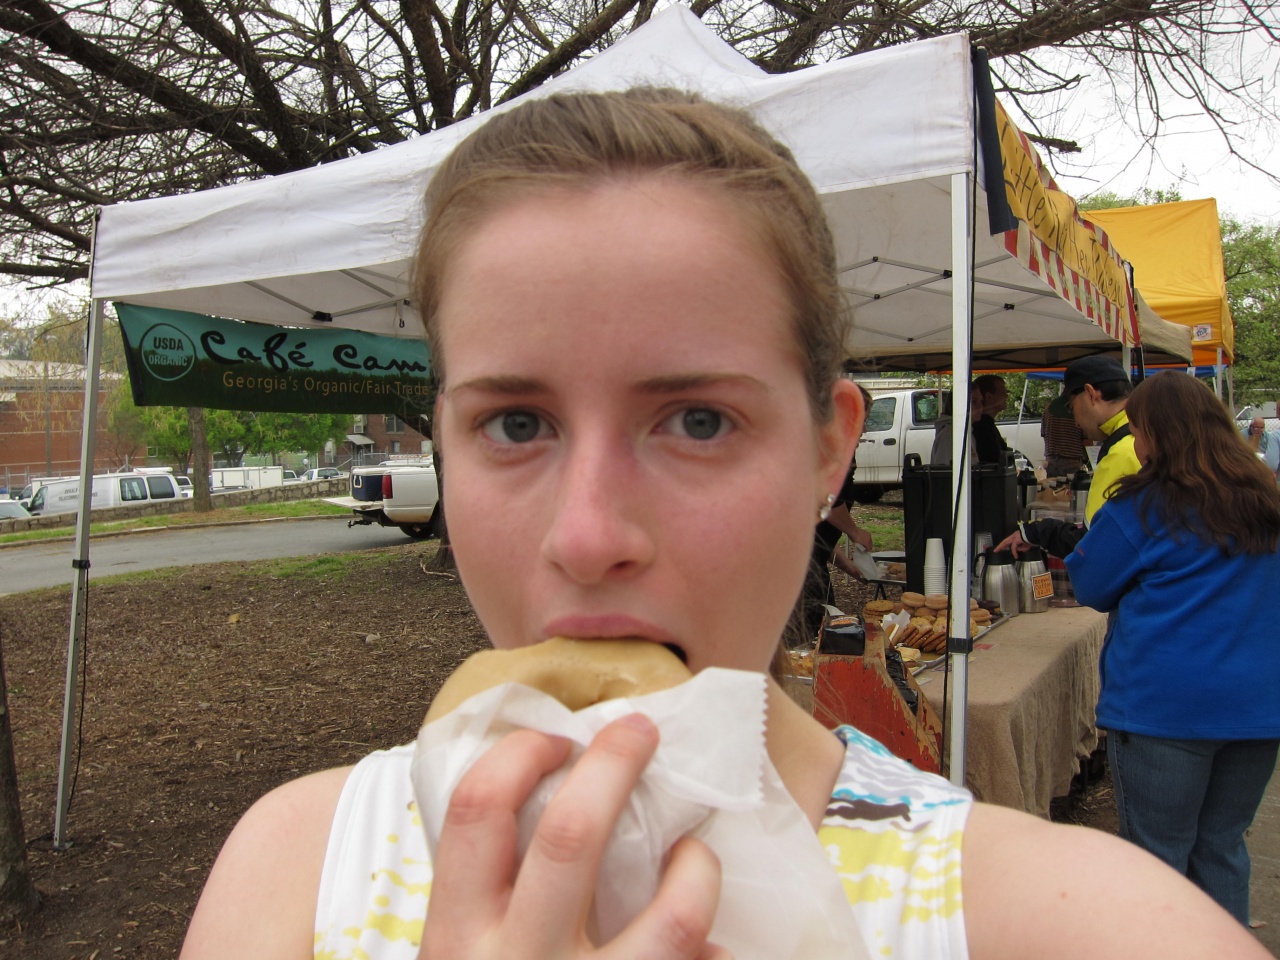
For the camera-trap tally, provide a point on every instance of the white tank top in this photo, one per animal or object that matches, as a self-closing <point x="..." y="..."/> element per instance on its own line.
<point x="893" y="835"/>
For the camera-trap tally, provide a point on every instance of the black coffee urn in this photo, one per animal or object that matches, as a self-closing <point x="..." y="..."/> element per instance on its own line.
<point x="927" y="508"/>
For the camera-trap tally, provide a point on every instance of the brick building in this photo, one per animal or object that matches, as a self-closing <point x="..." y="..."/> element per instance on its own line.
<point x="41" y="406"/>
<point x="376" y="436"/>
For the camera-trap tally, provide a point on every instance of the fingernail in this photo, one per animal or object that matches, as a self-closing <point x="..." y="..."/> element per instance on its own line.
<point x="638" y="721"/>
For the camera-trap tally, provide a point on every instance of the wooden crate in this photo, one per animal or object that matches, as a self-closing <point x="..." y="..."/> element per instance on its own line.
<point x="858" y="691"/>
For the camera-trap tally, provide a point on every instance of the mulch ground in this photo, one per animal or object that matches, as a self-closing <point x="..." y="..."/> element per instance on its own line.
<point x="205" y="688"/>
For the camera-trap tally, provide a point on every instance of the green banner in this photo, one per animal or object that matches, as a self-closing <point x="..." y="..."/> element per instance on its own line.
<point x="184" y="359"/>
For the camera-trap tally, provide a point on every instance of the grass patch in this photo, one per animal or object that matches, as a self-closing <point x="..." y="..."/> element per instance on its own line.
<point x="250" y="511"/>
<point x="338" y="566"/>
<point x="884" y="522"/>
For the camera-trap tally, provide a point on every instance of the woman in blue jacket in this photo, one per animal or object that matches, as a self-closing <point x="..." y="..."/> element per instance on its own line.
<point x="1184" y="558"/>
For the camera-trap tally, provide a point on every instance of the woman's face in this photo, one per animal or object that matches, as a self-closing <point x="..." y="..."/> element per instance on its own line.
<point x="628" y="445"/>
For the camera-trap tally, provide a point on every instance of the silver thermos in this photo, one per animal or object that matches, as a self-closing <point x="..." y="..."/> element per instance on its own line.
<point x="1035" y="583"/>
<point x="1080" y="484"/>
<point x="1000" y="581"/>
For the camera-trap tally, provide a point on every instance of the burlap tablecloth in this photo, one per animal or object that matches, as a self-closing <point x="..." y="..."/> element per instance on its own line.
<point x="1033" y="687"/>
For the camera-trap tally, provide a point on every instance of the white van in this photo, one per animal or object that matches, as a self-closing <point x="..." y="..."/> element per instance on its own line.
<point x="27" y="494"/>
<point x="184" y="483"/>
<point x="109" y="490"/>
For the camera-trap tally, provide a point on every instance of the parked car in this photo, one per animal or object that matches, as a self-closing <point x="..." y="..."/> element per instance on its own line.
<point x="185" y="488"/>
<point x="13" y="510"/>
<point x="291" y="477"/>
<point x="322" y="473"/>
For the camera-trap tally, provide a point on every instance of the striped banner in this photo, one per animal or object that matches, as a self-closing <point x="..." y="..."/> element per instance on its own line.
<point x="1074" y="257"/>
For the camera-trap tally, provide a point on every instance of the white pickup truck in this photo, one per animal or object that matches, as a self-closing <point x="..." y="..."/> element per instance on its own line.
<point x="399" y="492"/>
<point x="902" y="422"/>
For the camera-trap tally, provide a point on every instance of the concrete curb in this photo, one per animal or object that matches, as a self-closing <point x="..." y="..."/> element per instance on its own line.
<point x="169" y="528"/>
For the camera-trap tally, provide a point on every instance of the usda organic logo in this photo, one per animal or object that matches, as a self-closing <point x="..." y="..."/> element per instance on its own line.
<point x="167" y="352"/>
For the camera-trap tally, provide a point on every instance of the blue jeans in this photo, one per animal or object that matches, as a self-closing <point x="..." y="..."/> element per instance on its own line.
<point x="1189" y="802"/>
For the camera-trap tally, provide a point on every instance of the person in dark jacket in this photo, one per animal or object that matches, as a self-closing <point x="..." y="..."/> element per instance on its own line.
<point x="988" y="441"/>
<point x="834" y="522"/>
<point x="1184" y="557"/>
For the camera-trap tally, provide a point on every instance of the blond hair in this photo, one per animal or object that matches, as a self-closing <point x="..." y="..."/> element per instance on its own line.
<point x="579" y="140"/>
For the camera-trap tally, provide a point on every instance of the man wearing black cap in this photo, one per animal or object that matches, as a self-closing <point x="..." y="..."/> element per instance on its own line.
<point x="1094" y="392"/>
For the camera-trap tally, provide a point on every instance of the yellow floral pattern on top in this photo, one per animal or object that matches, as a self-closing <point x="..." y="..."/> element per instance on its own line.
<point x="893" y="835"/>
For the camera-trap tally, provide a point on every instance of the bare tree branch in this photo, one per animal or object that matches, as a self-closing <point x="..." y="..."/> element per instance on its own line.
<point x="109" y="100"/>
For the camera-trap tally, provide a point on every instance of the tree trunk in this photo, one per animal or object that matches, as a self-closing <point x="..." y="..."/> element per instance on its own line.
<point x="443" y="561"/>
<point x="199" y="460"/>
<point x="18" y="895"/>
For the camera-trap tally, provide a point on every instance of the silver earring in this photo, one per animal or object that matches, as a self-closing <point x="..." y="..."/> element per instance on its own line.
<point x="824" y="511"/>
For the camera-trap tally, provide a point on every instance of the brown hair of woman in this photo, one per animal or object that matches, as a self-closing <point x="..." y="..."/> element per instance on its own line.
<point x="587" y="139"/>
<point x="1202" y="477"/>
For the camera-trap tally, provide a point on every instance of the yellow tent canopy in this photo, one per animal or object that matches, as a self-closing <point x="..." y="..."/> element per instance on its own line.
<point x="1176" y="252"/>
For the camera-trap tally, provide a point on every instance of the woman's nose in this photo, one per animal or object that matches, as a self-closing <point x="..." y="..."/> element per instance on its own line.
<point x="595" y="533"/>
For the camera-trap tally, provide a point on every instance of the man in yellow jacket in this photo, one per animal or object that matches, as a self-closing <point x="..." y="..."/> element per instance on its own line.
<point x="1094" y="392"/>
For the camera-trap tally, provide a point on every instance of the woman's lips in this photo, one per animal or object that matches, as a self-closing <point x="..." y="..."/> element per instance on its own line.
<point x="612" y="627"/>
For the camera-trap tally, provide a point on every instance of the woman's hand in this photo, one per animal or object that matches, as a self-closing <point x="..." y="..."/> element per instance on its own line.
<point x="485" y="906"/>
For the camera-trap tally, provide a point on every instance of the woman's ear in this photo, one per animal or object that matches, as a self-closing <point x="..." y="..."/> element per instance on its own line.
<point x="838" y="438"/>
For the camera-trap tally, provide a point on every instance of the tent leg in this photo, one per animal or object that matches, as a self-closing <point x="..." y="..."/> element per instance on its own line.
<point x="1022" y="407"/>
<point x="959" y="642"/>
<point x="80" y="585"/>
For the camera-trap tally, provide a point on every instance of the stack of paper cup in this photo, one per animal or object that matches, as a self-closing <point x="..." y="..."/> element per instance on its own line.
<point x="935" y="567"/>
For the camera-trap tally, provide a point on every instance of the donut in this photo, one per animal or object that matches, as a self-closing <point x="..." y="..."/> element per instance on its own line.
<point x="912" y="599"/>
<point x="936" y="601"/>
<point x="879" y="607"/>
<point x="578" y="673"/>
<point x="980" y="615"/>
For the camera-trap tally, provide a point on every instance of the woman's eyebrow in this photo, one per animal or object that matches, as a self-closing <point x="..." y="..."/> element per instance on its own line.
<point x="679" y="382"/>
<point x="503" y="384"/>
<point x="515" y="385"/>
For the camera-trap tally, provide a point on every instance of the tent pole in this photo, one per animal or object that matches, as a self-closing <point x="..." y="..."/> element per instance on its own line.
<point x="1026" y="382"/>
<point x="959" y="642"/>
<point x="1218" y="377"/>
<point x="80" y="562"/>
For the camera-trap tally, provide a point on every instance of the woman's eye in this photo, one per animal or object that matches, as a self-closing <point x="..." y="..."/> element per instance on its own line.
<point x="698" y="423"/>
<point x="516" y="426"/>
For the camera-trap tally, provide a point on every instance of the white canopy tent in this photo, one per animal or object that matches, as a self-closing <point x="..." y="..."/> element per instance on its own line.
<point x="889" y="138"/>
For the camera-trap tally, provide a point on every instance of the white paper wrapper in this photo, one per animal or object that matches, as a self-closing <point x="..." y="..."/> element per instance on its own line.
<point x="711" y="778"/>
<point x="864" y="562"/>
<point x="889" y="622"/>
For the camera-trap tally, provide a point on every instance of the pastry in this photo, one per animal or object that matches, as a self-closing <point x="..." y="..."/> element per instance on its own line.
<point x="578" y="673"/>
